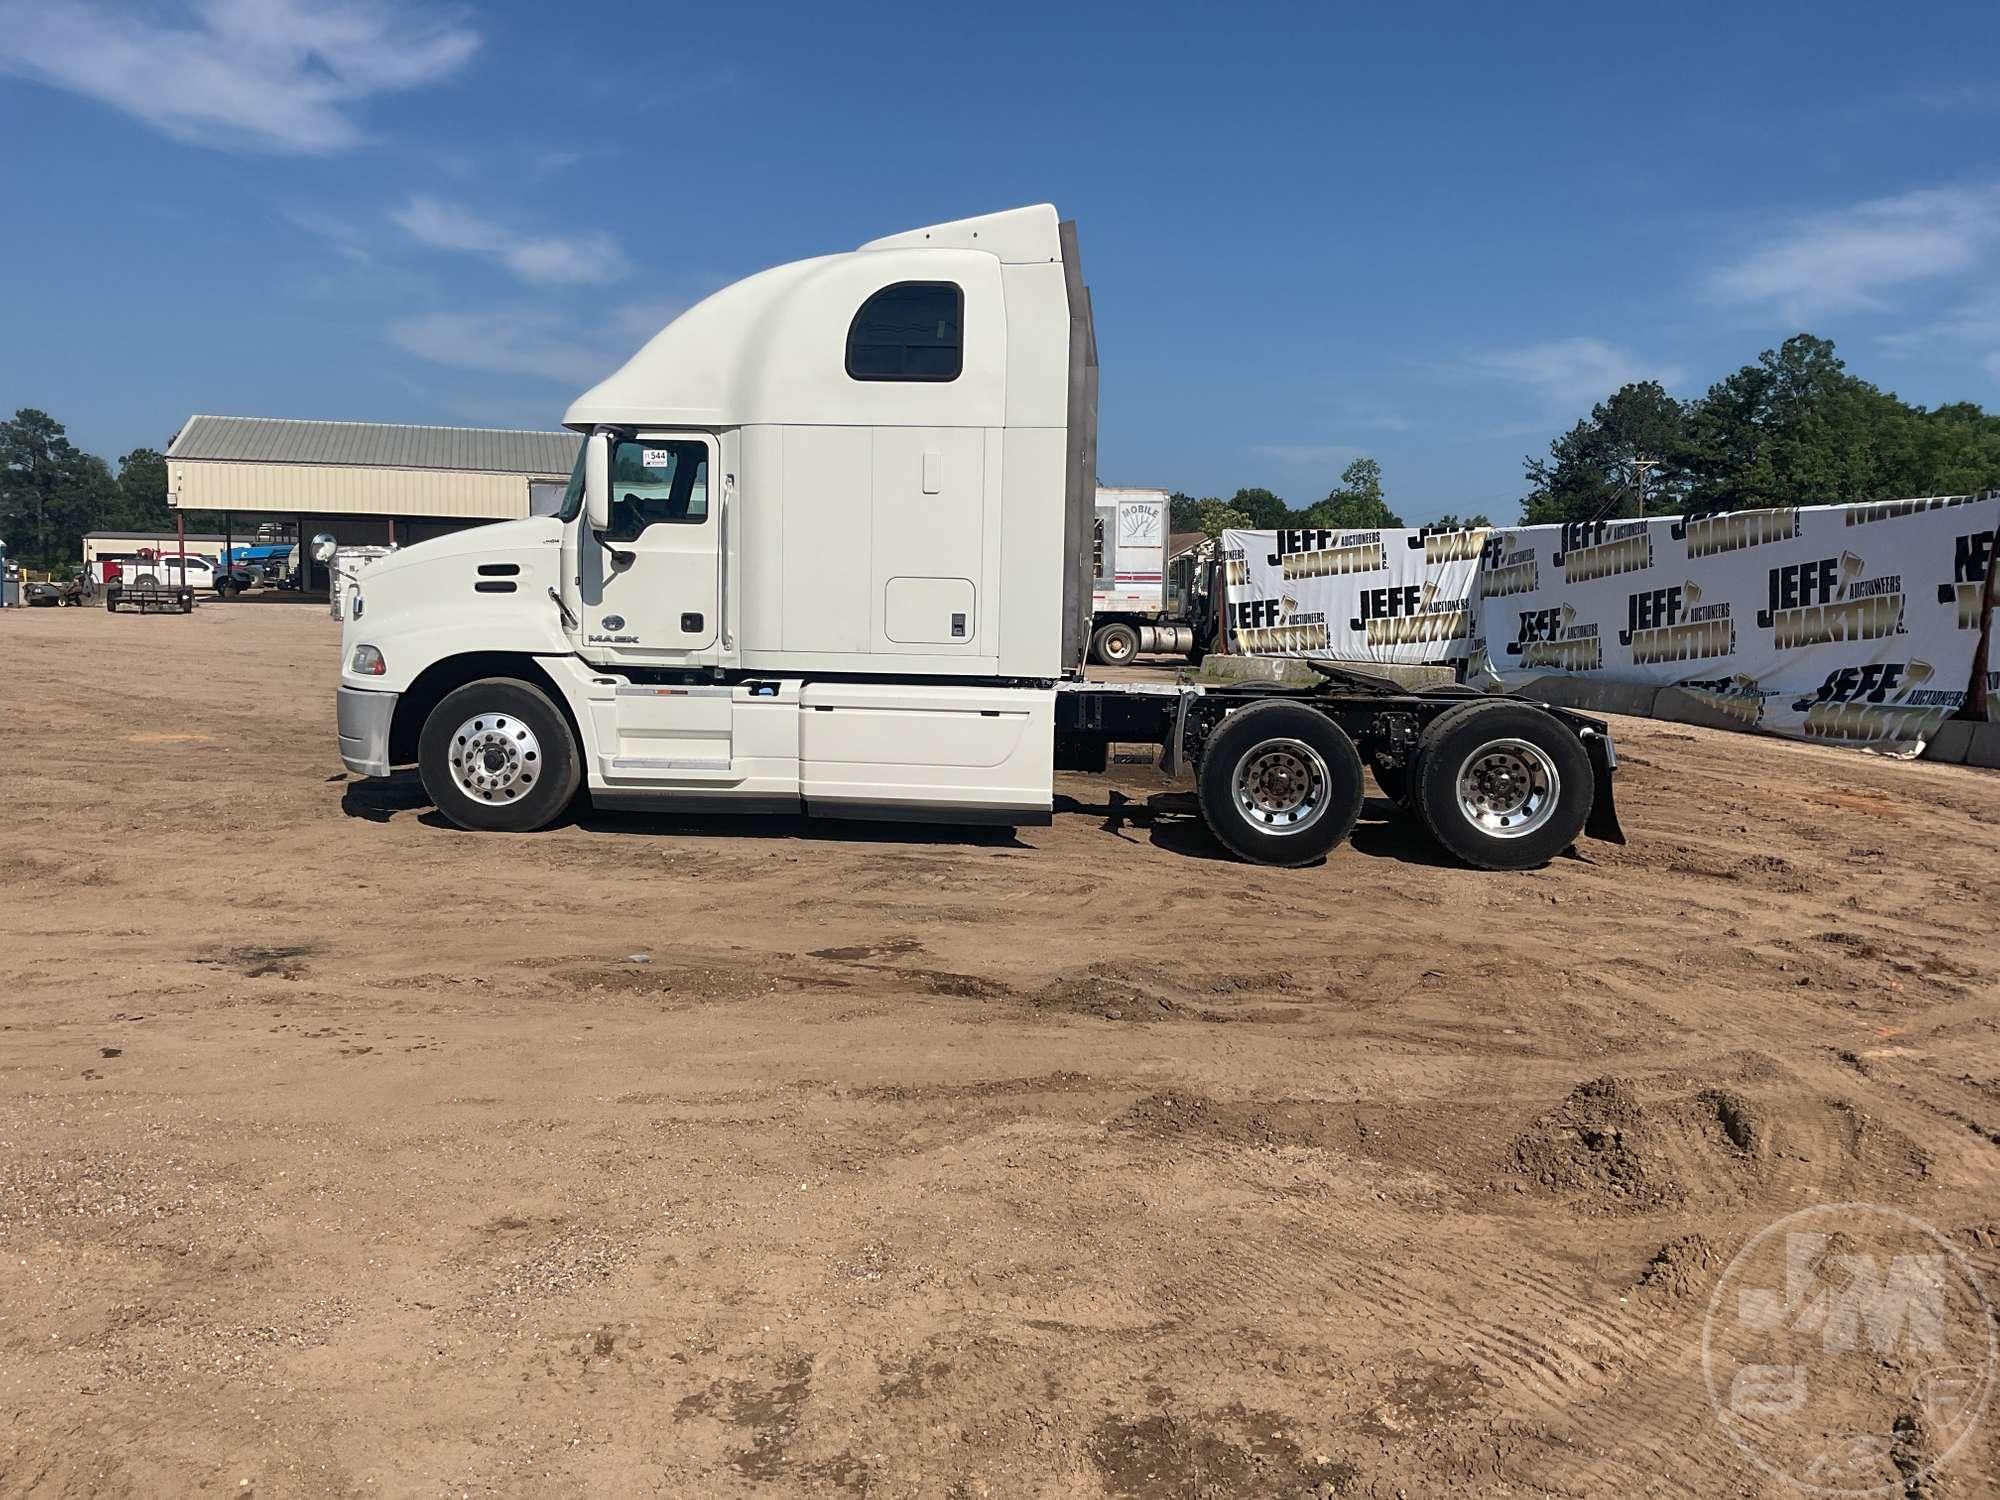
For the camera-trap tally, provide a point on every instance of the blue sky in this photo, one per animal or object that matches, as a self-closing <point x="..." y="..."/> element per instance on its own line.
<point x="1432" y="233"/>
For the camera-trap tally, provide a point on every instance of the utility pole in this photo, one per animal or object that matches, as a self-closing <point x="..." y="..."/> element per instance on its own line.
<point x="1640" y="466"/>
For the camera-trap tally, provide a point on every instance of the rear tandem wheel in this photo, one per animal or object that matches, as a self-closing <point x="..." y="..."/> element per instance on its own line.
<point x="1279" y="784"/>
<point x="1501" y="785"/>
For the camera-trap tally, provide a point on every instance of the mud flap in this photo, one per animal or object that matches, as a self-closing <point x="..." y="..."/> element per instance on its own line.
<point x="1603" y="820"/>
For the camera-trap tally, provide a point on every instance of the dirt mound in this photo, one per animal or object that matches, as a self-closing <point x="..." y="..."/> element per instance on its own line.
<point x="1097" y="994"/>
<point x="1615" y="1153"/>
<point x="1681" y="1268"/>
<point x="1591" y="1143"/>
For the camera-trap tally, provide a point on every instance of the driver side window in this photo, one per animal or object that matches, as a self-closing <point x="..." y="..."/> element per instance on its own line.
<point x="656" y="482"/>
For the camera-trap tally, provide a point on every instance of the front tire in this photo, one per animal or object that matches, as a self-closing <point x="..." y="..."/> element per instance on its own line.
<point x="1502" y="786"/>
<point x="1279" y="784"/>
<point x="497" y="756"/>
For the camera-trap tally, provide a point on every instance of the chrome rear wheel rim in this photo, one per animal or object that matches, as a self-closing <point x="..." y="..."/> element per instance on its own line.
<point x="1508" y="788"/>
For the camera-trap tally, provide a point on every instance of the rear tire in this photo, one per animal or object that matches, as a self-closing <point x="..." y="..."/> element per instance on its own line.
<point x="497" y="756"/>
<point x="1502" y="786"/>
<point x="1279" y="784"/>
<point x="1115" y="645"/>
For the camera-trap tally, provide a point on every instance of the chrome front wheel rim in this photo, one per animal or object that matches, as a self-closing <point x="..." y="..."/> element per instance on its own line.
<point x="1508" y="788"/>
<point x="1282" y="786"/>
<point x="495" y="758"/>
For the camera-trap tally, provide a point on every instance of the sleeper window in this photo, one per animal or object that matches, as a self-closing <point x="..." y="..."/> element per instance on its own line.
<point x="914" y="330"/>
<point x="656" y="483"/>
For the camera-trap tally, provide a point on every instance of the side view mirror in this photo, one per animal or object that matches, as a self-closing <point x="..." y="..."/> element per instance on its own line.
<point x="597" y="481"/>
<point x="323" y="547"/>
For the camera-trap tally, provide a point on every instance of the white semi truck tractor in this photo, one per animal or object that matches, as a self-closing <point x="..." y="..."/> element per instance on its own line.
<point x="828" y="550"/>
<point x="1135" y="604"/>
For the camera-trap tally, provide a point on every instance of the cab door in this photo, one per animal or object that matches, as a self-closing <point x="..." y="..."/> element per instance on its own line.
<point x="650" y="583"/>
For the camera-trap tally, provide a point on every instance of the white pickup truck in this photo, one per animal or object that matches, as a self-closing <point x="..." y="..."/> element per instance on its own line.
<point x="828" y="549"/>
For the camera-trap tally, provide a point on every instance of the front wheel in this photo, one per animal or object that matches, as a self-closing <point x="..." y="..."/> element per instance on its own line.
<point x="1503" y="786"/>
<point x="497" y="756"/>
<point x="1279" y="784"/>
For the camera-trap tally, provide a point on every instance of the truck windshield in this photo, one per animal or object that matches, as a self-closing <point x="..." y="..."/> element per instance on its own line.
<point x="572" y="500"/>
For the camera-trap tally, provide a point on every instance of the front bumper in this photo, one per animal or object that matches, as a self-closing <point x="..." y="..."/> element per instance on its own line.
<point x="364" y="718"/>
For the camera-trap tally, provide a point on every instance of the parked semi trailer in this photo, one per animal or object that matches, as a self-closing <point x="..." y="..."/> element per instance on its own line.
<point x="828" y="549"/>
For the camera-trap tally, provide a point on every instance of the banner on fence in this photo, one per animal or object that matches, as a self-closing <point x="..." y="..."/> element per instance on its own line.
<point x="1381" y="596"/>
<point x="1986" y="680"/>
<point x="1848" y="624"/>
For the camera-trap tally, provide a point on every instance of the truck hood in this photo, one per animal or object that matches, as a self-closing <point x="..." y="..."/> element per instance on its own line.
<point x="483" y="589"/>
<point x="484" y="541"/>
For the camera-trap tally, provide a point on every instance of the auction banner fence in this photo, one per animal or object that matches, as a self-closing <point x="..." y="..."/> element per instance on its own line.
<point x="1847" y="624"/>
<point x="1986" y="668"/>
<point x="1381" y="596"/>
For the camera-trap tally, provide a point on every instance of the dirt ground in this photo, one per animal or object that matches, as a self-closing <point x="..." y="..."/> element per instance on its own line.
<point x="345" y="1153"/>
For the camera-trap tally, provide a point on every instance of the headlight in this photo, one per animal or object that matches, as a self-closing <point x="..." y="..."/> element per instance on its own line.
<point x="367" y="662"/>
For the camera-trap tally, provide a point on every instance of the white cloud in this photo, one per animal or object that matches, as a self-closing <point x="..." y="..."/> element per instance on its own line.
<point x="533" y="341"/>
<point x="546" y="164"/>
<point x="343" y="234"/>
<point x="1363" y="412"/>
<point x="1303" y="454"/>
<point x="1840" y="261"/>
<point x="1971" y="327"/>
<point x="551" y="259"/>
<point x="1569" y="374"/>
<point x="519" y="341"/>
<point x="267" y="75"/>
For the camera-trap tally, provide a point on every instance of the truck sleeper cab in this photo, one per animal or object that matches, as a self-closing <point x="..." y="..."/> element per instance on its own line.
<point x="827" y="548"/>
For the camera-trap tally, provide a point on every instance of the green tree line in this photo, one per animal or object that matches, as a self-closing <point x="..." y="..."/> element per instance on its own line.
<point x="1794" y="428"/>
<point x="52" y="492"/>
<point x="1357" y="503"/>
